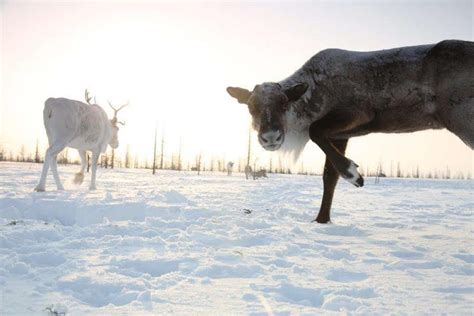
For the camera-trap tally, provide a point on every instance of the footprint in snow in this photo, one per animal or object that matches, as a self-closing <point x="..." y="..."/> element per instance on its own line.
<point x="406" y="254"/>
<point x="468" y="258"/>
<point x="289" y="293"/>
<point x="175" y="197"/>
<point x="337" y="230"/>
<point x="456" y="290"/>
<point x="345" y="276"/>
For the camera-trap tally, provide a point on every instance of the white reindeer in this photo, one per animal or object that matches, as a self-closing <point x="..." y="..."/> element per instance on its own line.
<point x="78" y="125"/>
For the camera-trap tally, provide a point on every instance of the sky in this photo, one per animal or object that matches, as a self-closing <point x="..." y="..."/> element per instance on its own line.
<point x="173" y="60"/>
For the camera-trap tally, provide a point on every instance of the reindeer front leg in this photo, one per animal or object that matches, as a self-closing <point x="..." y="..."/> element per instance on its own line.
<point x="345" y="167"/>
<point x="330" y="177"/>
<point x="334" y="124"/>
<point x="95" y="158"/>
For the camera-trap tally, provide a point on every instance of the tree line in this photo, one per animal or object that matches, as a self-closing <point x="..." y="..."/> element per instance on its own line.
<point x="201" y="163"/>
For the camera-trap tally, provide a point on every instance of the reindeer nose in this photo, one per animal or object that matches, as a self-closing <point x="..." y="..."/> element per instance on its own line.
<point x="271" y="137"/>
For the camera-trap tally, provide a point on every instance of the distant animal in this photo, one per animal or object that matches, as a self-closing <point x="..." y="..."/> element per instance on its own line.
<point x="248" y="171"/>
<point x="259" y="174"/>
<point x="339" y="94"/>
<point x="78" y="125"/>
<point x="230" y="166"/>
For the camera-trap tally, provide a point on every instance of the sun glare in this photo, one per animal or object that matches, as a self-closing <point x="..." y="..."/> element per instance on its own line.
<point x="172" y="62"/>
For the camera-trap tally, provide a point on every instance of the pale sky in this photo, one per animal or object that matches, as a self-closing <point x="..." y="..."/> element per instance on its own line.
<point x="173" y="62"/>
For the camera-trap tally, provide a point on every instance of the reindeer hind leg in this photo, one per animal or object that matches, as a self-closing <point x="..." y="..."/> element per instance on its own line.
<point x="56" y="148"/>
<point x="79" y="177"/>
<point x="50" y="161"/>
<point x="44" y="173"/>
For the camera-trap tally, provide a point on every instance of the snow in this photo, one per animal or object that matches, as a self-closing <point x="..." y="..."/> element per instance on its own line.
<point x="179" y="242"/>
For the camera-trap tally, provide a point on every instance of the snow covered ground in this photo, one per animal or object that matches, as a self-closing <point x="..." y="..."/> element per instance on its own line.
<point x="183" y="244"/>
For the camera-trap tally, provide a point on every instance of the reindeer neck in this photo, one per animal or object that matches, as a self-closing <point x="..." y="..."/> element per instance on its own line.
<point x="309" y="107"/>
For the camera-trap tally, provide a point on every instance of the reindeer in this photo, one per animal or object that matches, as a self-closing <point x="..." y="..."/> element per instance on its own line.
<point x="262" y="173"/>
<point x="230" y="166"/>
<point x="339" y="94"/>
<point x="75" y="124"/>
<point x="248" y="171"/>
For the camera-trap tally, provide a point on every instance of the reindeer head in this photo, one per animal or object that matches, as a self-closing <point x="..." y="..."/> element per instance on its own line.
<point x="114" y="123"/>
<point x="268" y="104"/>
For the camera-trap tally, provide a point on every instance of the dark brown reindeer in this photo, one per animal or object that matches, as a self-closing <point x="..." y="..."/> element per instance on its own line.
<point x="340" y="94"/>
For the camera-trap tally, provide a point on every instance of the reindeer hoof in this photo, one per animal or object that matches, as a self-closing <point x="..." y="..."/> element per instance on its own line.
<point x="39" y="189"/>
<point x="322" y="220"/>
<point x="352" y="175"/>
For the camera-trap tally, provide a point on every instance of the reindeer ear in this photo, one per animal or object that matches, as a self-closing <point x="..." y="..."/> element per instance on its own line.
<point x="242" y="95"/>
<point x="295" y="92"/>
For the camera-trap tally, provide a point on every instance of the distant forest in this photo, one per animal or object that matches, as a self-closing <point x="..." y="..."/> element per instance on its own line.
<point x="200" y="163"/>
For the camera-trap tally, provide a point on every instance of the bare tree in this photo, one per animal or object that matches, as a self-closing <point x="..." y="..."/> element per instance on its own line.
<point x="127" y="157"/>
<point x="136" y="162"/>
<point x="162" y="148"/>
<point x="399" y="170"/>
<point x="212" y="162"/>
<point x="22" y="153"/>
<point x="104" y="160"/>
<point x="417" y="172"/>
<point x="198" y="163"/>
<point x="179" y="154"/>
<point x="379" y="173"/>
<point x="154" y="152"/>
<point x="37" y="155"/>
<point x="249" y="148"/>
<point x="63" y="157"/>
<point x="112" y="160"/>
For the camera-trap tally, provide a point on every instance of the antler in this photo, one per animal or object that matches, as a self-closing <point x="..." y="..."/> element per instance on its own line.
<point x="87" y="97"/>
<point x="114" y="119"/>
<point x="116" y="110"/>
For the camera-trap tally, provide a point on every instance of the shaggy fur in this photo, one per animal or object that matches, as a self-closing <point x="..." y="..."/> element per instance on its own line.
<point x="74" y="124"/>
<point x="339" y="94"/>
